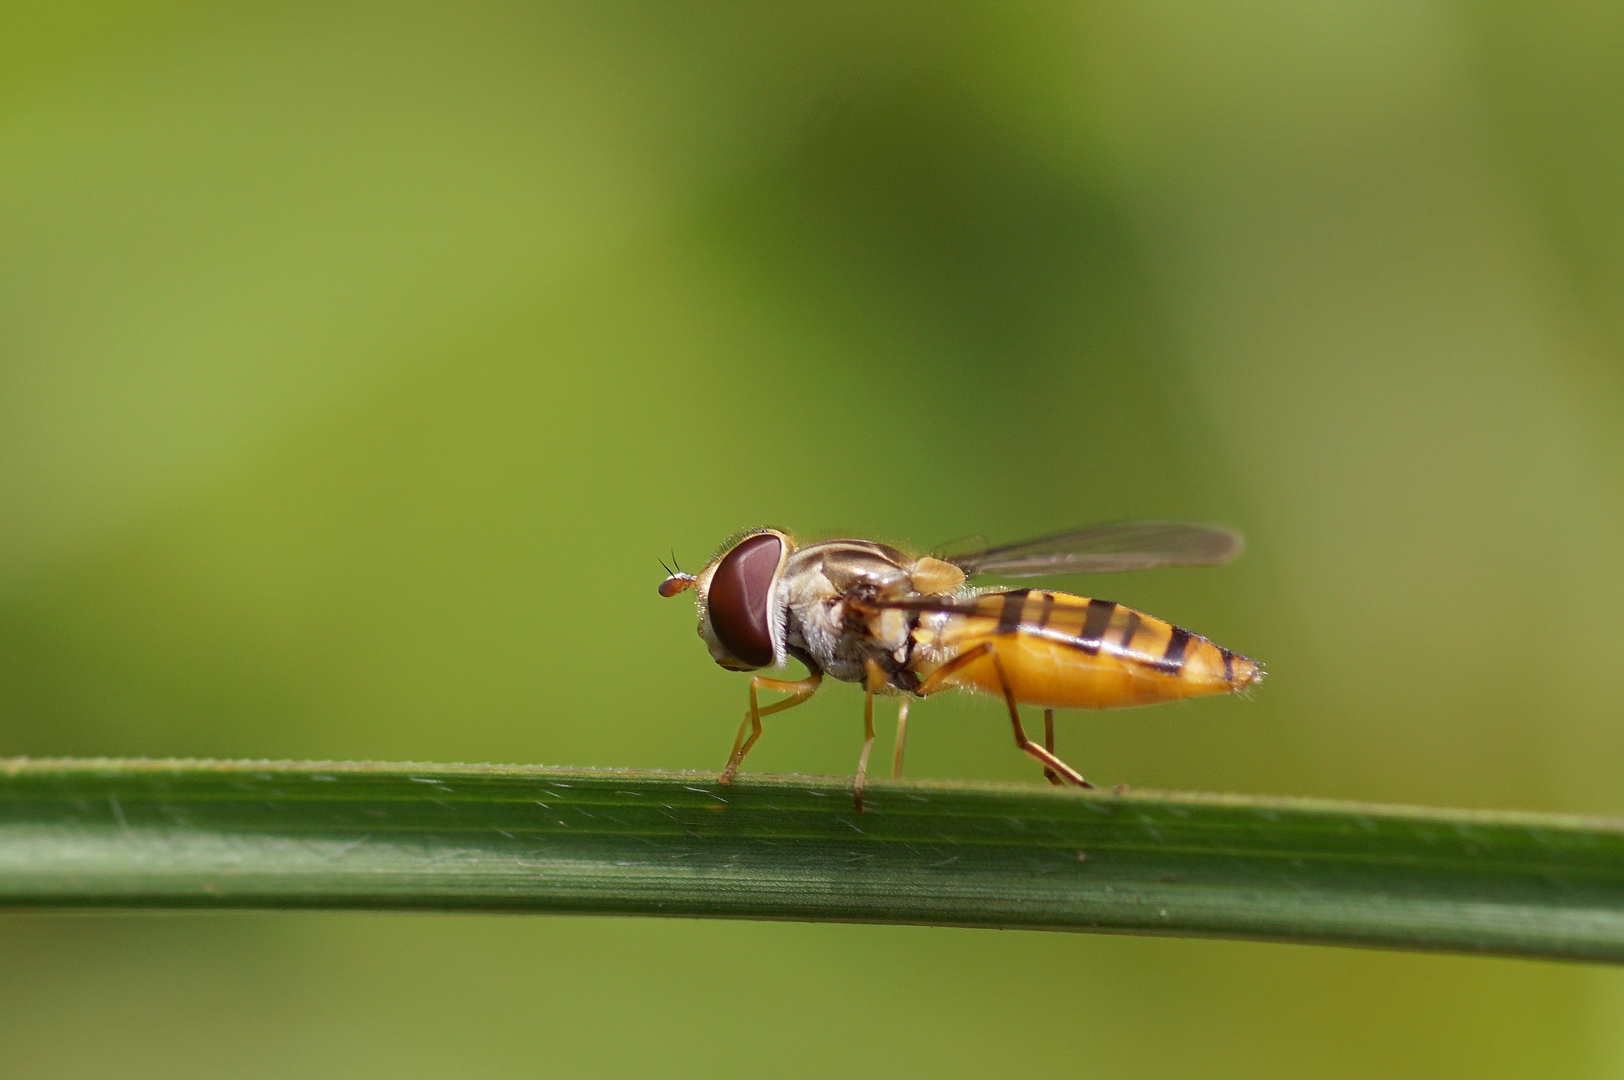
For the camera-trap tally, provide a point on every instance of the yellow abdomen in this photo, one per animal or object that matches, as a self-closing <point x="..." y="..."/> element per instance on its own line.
<point x="1070" y="652"/>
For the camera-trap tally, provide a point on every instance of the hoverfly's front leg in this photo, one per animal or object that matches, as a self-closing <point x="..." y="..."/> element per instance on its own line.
<point x="797" y="689"/>
<point x="986" y="649"/>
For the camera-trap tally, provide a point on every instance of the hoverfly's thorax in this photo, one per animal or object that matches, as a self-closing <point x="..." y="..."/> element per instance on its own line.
<point x="828" y="587"/>
<point x="859" y="568"/>
<point x="933" y="577"/>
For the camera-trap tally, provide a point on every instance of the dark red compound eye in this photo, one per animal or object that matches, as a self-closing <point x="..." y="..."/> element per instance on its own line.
<point x="737" y="598"/>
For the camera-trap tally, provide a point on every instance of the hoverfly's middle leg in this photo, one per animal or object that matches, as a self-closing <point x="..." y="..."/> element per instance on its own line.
<point x="902" y="737"/>
<point x="874" y="681"/>
<point x="798" y="690"/>
<point x="1043" y="754"/>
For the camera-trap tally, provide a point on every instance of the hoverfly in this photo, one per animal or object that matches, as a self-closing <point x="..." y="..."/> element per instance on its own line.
<point x="909" y="626"/>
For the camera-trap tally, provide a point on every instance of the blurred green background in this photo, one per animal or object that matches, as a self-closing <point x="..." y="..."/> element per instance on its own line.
<point x="357" y="362"/>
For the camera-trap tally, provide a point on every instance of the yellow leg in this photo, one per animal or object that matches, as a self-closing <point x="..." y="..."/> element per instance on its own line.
<point x="934" y="681"/>
<point x="939" y="677"/>
<point x="798" y="690"/>
<point x="874" y="681"/>
<point x="902" y="737"/>
<point x="1048" y="744"/>
<point x="862" y="759"/>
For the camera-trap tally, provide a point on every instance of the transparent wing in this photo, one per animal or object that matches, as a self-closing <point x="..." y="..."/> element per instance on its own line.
<point x="1109" y="549"/>
<point x="960" y="551"/>
<point x="987" y="604"/>
<point x="975" y="605"/>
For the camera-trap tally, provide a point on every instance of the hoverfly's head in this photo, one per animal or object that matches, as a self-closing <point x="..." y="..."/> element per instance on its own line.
<point x="741" y="615"/>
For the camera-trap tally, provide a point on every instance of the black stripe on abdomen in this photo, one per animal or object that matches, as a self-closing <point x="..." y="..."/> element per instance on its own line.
<point x="1047" y="610"/>
<point x="1009" y="616"/>
<point x="1094" y="625"/>
<point x="1130" y="627"/>
<point x="1172" y="660"/>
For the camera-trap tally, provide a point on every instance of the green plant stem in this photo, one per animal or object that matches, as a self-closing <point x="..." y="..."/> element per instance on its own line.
<point x="186" y="834"/>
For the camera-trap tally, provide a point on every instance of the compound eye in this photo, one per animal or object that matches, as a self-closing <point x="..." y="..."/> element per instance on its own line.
<point x="737" y="598"/>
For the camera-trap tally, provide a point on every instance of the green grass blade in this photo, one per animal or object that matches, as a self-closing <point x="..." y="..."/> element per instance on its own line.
<point x="178" y="834"/>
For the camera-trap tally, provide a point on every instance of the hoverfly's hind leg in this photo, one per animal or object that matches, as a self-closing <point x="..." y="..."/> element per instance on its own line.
<point x="1027" y="746"/>
<point x="797" y="689"/>
<point x="1048" y="744"/>
<point x="902" y="738"/>
<point x="1043" y="754"/>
